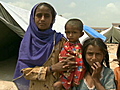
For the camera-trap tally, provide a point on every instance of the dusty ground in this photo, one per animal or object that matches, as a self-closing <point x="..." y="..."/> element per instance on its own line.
<point x="112" y="49"/>
<point x="7" y="68"/>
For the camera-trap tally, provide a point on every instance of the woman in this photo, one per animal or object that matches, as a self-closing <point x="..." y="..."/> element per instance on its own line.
<point x="39" y="50"/>
<point x="98" y="76"/>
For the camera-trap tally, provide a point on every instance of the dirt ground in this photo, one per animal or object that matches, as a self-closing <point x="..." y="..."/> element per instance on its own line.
<point x="7" y="68"/>
<point x="112" y="49"/>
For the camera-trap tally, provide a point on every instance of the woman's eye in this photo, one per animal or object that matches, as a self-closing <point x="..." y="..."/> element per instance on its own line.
<point x="67" y="32"/>
<point x="47" y="16"/>
<point x="38" y="15"/>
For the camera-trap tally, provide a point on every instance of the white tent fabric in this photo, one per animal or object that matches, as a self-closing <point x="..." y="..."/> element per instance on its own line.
<point x="105" y="31"/>
<point x="21" y="16"/>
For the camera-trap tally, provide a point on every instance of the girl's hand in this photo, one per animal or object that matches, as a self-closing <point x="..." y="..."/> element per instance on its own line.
<point x="96" y="70"/>
<point x="96" y="75"/>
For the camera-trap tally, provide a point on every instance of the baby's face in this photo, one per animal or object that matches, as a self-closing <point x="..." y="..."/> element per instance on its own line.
<point x="72" y="33"/>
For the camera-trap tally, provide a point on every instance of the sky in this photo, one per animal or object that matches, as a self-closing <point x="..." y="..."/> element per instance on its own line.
<point x="94" y="13"/>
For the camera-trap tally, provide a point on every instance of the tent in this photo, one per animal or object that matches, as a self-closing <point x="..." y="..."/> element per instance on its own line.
<point x="14" y="22"/>
<point x="93" y="33"/>
<point x="112" y="35"/>
<point x="11" y="32"/>
<point x="88" y="31"/>
<point x="13" y="25"/>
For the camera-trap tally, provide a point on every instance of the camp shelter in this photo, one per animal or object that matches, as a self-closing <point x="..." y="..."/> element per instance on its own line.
<point x="11" y="32"/>
<point x="13" y="25"/>
<point x="14" y="22"/>
<point x="93" y="33"/>
<point x="112" y="35"/>
<point x="88" y="31"/>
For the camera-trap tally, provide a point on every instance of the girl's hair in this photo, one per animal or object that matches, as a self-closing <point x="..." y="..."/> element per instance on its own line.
<point x="95" y="42"/>
<point x="53" y="12"/>
<point x="75" y="22"/>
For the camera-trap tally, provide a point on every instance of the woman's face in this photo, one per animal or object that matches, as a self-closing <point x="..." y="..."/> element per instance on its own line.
<point x="94" y="54"/>
<point x="43" y="17"/>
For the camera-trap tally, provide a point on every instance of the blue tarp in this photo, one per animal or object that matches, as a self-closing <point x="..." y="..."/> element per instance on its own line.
<point x="94" y="33"/>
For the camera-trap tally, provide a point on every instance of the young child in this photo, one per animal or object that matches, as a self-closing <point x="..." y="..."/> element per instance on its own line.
<point x="98" y="74"/>
<point x="73" y="30"/>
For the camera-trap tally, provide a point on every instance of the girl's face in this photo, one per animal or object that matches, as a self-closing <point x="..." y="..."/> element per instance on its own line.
<point x="94" y="54"/>
<point x="72" y="33"/>
<point x="43" y="17"/>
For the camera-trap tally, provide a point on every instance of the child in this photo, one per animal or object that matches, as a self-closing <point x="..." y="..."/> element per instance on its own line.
<point x="98" y="74"/>
<point x="73" y="30"/>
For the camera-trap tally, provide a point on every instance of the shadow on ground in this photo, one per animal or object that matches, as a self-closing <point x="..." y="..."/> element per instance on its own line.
<point x="7" y="68"/>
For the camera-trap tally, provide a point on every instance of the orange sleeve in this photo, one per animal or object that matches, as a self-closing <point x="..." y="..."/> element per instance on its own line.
<point x="116" y="74"/>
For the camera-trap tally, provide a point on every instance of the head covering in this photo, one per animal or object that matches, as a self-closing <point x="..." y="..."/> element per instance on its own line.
<point x="35" y="47"/>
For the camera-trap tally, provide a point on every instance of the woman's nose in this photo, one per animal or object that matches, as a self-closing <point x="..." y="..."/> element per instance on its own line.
<point x="42" y="18"/>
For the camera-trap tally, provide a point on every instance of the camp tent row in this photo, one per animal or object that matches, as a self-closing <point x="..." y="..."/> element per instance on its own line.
<point x="112" y="35"/>
<point x="14" y="22"/>
<point x="10" y="31"/>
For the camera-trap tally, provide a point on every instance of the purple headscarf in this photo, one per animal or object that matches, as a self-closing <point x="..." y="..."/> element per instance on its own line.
<point x="35" y="48"/>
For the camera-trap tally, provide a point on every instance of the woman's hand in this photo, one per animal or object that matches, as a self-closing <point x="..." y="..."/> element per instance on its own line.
<point x="68" y="64"/>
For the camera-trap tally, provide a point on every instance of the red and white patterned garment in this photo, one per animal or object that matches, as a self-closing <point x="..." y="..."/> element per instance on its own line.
<point x="73" y="77"/>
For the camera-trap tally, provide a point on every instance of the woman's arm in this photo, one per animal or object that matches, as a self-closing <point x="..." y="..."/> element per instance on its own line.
<point x="40" y="73"/>
<point x="36" y="73"/>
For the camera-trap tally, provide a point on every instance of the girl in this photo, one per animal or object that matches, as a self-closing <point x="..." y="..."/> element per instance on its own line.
<point x="99" y="76"/>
